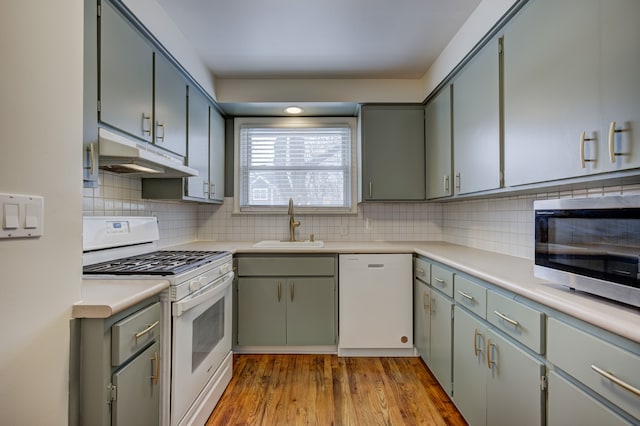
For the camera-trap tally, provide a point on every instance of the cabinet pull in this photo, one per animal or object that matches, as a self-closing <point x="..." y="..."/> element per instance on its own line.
<point x="92" y="159"/>
<point x="420" y="271"/>
<point x="160" y="126"/>
<point x="369" y="189"/>
<point x="156" y="373"/>
<point x="439" y="280"/>
<point x="458" y="181"/>
<point x="279" y="291"/>
<point x="583" y="139"/>
<point x="146" y="330"/>
<point x="445" y="184"/>
<point x="612" y="132"/>
<point x="205" y="187"/>
<point x="634" y="390"/>
<point x="146" y="119"/>
<point x="212" y="189"/>
<point x="465" y="295"/>
<point x="292" y="290"/>
<point x="507" y="319"/>
<point x="489" y="360"/>
<point x="425" y="295"/>
<point x="432" y="303"/>
<point x="476" y="348"/>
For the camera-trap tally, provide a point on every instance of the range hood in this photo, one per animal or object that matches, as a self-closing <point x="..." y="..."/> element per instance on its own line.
<point x="120" y="154"/>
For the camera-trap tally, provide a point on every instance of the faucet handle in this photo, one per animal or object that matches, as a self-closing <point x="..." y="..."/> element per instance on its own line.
<point x="290" y="206"/>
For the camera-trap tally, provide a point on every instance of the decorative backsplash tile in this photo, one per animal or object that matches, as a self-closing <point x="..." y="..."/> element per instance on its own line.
<point x="503" y="225"/>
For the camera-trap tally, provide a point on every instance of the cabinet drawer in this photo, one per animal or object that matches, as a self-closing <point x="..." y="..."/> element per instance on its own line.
<point x="286" y="266"/>
<point x="442" y="279"/>
<point x="578" y="352"/>
<point x="422" y="270"/>
<point x="471" y="295"/>
<point x="134" y="332"/>
<point x="521" y="322"/>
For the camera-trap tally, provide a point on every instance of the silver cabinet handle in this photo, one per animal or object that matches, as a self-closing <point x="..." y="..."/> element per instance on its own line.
<point x="146" y="124"/>
<point x="583" y="139"/>
<point x="445" y="184"/>
<point x="612" y="132"/>
<point x="634" y="390"/>
<point x="279" y="291"/>
<point x="439" y="280"/>
<point x="205" y="187"/>
<point x="465" y="295"/>
<point x="369" y="189"/>
<point x="92" y="159"/>
<point x="146" y="330"/>
<point x="458" y="181"/>
<point x="292" y="290"/>
<point x="476" y="348"/>
<point x="160" y="126"/>
<point x="507" y="319"/>
<point x="212" y="189"/>
<point x="420" y="271"/>
<point x="156" y="373"/>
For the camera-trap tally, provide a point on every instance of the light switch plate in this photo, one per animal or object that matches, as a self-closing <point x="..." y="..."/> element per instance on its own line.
<point x="22" y="216"/>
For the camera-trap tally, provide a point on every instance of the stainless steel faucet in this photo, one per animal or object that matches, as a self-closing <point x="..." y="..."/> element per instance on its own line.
<point x="293" y="224"/>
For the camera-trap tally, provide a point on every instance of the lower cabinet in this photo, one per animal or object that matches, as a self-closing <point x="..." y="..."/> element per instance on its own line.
<point x="119" y="368"/>
<point x="286" y="311"/>
<point x="441" y="314"/>
<point x="495" y="381"/>
<point x="422" y="319"/>
<point x="285" y="300"/>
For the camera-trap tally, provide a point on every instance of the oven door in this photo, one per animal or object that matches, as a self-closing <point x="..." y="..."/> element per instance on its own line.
<point x="201" y="326"/>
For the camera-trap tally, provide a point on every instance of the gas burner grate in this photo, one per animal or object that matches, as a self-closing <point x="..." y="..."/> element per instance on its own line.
<point x="162" y="262"/>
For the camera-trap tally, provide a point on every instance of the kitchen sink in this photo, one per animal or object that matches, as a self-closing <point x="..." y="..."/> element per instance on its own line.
<point x="289" y="244"/>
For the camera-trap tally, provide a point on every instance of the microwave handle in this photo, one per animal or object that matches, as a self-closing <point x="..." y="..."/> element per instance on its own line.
<point x="207" y="293"/>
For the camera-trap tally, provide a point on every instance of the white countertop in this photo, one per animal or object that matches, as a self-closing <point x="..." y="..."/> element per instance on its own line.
<point x="511" y="273"/>
<point x="104" y="298"/>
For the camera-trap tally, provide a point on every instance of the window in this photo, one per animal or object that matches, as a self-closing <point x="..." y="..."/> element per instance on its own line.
<point x="307" y="159"/>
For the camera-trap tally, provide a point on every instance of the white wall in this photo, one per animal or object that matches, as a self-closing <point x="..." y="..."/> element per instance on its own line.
<point x="41" y="139"/>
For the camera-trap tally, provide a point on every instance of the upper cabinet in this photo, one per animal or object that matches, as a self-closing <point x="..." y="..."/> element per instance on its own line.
<point x="571" y="97"/>
<point x="141" y="92"/>
<point x="126" y="76"/>
<point x="198" y="186"/>
<point x="437" y="132"/>
<point x="170" y="107"/>
<point x="392" y="149"/>
<point x="476" y="122"/>
<point x="216" y="155"/>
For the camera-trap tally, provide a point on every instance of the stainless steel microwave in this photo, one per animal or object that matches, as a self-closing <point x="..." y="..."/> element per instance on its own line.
<point x="591" y="245"/>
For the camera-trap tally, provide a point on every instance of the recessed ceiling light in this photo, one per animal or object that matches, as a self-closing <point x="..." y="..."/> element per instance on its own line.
<point x="293" y="110"/>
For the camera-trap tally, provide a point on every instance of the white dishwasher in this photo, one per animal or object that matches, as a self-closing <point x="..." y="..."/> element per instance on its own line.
<point x="375" y="305"/>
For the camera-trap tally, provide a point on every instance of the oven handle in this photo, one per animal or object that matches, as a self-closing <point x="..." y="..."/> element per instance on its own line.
<point x="211" y="291"/>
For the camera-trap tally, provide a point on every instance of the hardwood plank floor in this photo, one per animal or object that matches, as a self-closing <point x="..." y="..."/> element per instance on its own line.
<point x="327" y="390"/>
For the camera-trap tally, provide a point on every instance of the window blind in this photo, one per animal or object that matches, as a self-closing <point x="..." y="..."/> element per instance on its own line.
<point x="312" y="165"/>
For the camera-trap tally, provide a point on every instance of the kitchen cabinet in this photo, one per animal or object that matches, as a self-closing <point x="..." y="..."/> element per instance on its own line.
<point x="608" y="370"/>
<point x="141" y="92"/>
<point x="571" y="115"/>
<point x="90" y="97"/>
<point x="286" y="301"/>
<point x="476" y="122"/>
<point x="422" y="301"/>
<point x="495" y="380"/>
<point x="198" y="150"/>
<point x="170" y="107"/>
<point x="569" y="405"/>
<point x="392" y="150"/>
<point x="126" y="75"/>
<point x="437" y="128"/>
<point x="440" y="357"/>
<point x="119" y="367"/>
<point x="216" y="156"/>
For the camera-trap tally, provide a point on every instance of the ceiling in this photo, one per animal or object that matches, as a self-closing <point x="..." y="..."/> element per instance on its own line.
<point x="257" y="39"/>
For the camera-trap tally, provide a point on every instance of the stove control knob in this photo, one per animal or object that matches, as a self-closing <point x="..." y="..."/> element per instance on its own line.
<point x="194" y="285"/>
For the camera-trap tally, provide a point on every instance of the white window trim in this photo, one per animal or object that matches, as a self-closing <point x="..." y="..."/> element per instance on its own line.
<point x="295" y="122"/>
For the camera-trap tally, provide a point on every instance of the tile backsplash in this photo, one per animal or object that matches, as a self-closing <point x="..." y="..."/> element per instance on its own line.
<point x="503" y="225"/>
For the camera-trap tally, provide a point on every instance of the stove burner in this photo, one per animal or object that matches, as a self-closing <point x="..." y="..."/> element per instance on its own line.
<point x="163" y="262"/>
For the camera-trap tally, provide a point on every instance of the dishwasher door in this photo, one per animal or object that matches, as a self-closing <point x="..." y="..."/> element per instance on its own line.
<point x="375" y="304"/>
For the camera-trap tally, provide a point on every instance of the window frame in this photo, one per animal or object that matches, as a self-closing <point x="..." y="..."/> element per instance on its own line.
<point x="294" y="122"/>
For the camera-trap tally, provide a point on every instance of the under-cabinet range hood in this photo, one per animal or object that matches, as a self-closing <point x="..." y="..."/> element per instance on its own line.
<point x="120" y="154"/>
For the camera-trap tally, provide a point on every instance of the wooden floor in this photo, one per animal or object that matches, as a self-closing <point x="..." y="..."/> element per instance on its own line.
<point x="327" y="390"/>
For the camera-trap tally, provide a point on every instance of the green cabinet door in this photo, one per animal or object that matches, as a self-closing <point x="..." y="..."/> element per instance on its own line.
<point x="514" y="395"/>
<point x="311" y="311"/>
<point x="476" y="123"/>
<point x="470" y="367"/>
<point x="551" y="78"/>
<point x="216" y="156"/>
<point x="262" y="316"/>
<point x="437" y="128"/>
<point x="170" y="107"/>
<point x="198" y="147"/>
<point x="393" y="157"/>
<point x="126" y="70"/>
<point x="421" y="319"/>
<point x="440" y="358"/>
